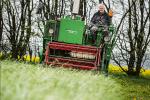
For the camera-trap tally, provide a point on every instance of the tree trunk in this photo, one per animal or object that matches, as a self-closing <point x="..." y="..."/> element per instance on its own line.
<point x="56" y="7"/>
<point x="1" y="20"/>
<point x="14" y="52"/>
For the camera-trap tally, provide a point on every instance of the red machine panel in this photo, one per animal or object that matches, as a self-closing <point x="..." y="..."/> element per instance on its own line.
<point x="71" y="55"/>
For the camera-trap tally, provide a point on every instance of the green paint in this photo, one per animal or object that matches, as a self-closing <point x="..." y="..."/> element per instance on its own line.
<point x="71" y="31"/>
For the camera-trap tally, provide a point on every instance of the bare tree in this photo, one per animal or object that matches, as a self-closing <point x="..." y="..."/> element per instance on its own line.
<point x="17" y="24"/>
<point x="1" y="20"/>
<point x="53" y="9"/>
<point x="82" y="10"/>
<point x="134" y="36"/>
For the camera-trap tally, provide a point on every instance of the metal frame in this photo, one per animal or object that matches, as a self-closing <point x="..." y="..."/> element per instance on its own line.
<point x="73" y="62"/>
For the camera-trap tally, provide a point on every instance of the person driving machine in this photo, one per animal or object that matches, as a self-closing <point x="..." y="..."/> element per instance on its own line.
<point x="100" y="18"/>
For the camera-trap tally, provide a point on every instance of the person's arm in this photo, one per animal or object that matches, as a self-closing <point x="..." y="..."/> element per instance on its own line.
<point x="109" y="20"/>
<point x="93" y="19"/>
<point x="93" y="22"/>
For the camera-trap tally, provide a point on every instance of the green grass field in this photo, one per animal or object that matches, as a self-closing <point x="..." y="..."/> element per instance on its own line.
<point x="22" y="81"/>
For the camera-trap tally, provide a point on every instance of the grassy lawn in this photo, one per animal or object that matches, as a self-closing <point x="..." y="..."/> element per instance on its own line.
<point x="137" y="88"/>
<point x="22" y="81"/>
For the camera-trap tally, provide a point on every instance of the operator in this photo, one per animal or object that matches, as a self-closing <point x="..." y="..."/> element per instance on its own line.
<point x="100" y="18"/>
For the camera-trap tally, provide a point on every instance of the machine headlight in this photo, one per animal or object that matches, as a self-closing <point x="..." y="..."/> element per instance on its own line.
<point x="107" y="38"/>
<point x="51" y="31"/>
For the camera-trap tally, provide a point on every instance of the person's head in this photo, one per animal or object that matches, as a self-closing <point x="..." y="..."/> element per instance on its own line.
<point x="101" y="8"/>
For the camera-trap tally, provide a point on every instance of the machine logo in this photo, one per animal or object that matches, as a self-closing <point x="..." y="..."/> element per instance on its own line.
<point x="71" y="31"/>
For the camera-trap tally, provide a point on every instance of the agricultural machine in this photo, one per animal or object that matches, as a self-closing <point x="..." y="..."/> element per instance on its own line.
<point x="68" y="42"/>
